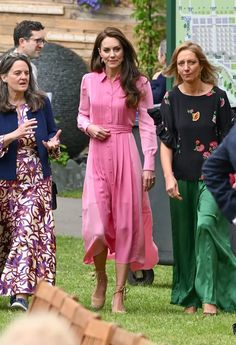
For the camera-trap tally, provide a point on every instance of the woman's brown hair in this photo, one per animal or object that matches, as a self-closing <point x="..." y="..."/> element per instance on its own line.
<point x="129" y="68"/>
<point x="209" y="73"/>
<point x="34" y="97"/>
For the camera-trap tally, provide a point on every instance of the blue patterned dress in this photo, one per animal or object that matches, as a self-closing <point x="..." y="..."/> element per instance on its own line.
<point x="27" y="239"/>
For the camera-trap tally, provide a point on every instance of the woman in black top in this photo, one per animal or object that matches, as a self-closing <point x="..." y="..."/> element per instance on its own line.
<point x="196" y="116"/>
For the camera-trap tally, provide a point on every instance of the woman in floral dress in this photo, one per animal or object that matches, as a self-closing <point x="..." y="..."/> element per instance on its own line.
<point x="27" y="134"/>
<point x="196" y="116"/>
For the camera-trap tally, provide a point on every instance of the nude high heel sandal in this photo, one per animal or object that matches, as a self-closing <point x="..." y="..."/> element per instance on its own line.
<point x="120" y="295"/>
<point x="99" y="295"/>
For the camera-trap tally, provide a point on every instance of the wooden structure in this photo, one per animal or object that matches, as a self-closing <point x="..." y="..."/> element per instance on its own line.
<point x="65" y="22"/>
<point x="86" y="325"/>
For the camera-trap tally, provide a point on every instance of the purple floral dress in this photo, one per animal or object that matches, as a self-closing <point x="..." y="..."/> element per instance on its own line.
<point x="27" y="239"/>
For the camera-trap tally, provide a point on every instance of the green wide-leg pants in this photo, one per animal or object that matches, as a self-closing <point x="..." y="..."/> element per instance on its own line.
<point x="204" y="268"/>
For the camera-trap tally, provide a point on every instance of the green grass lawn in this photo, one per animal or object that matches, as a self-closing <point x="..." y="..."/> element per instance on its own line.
<point x="76" y="193"/>
<point x="148" y="307"/>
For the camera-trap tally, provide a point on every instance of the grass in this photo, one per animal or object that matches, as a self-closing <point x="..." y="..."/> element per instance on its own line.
<point x="149" y="310"/>
<point x="77" y="193"/>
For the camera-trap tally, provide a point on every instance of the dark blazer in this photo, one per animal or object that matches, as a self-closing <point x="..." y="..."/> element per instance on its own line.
<point x="216" y="172"/>
<point x="158" y="88"/>
<point x="46" y="129"/>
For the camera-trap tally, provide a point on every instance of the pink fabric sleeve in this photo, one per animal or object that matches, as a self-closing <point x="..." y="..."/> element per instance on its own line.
<point x="147" y="128"/>
<point x="84" y="107"/>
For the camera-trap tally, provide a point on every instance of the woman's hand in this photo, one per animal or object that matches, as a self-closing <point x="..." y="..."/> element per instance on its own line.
<point x="172" y="188"/>
<point x="54" y="142"/>
<point x="25" y="129"/>
<point x="148" y="179"/>
<point x="98" y="132"/>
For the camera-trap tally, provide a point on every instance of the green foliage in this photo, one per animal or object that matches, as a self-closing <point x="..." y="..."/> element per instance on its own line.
<point x="149" y="31"/>
<point x="64" y="156"/>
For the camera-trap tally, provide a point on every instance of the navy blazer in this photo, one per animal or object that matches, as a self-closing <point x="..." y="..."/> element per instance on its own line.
<point x="216" y="172"/>
<point x="158" y="88"/>
<point x="46" y="129"/>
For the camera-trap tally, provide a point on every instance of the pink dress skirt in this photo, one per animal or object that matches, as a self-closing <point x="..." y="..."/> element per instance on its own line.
<point x="116" y="210"/>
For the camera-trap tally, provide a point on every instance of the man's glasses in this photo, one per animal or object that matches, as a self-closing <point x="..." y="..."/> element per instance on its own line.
<point x="39" y="40"/>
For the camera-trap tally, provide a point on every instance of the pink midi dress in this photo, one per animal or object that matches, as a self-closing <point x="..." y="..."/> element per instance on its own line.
<point x="115" y="209"/>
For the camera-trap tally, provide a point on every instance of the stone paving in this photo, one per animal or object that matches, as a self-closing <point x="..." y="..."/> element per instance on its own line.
<point x="68" y="216"/>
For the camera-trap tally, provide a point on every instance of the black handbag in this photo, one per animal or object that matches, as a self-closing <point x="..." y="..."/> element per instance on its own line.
<point x="54" y="195"/>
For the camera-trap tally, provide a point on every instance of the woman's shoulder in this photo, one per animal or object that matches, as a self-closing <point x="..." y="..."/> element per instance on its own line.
<point x="143" y="82"/>
<point x="218" y="91"/>
<point x="156" y="75"/>
<point x="92" y="75"/>
<point x="172" y="97"/>
<point x="46" y="102"/>
<point x="172" y="92"/>
<point x="142" y="79"/>
<point x="87" y="75"/>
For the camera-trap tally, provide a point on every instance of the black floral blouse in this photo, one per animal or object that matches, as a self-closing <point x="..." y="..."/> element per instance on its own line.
<point x="193" y="126"/>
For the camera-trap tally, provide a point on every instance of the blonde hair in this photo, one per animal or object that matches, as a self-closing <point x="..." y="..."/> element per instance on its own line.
<point x="209" y="72"/>
<point x="162" y="47"/>
<point x="38" y="328"/>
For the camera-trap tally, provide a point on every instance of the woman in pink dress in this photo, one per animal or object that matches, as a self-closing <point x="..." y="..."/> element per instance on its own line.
<point x="117" y="217"/>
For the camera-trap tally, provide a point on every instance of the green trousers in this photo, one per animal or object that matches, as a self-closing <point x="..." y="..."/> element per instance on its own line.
<point x="204" y="268"/>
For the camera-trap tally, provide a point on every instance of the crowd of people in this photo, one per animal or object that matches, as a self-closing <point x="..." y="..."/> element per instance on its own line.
<point x="117" y="217"/>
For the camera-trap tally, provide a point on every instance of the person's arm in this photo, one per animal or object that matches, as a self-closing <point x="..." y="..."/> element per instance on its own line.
<point x="147" y="128"/>
<point x="158" y="87"/>
<point x="216" y="172"/>
<point x="148" y="137"/>
<point x="225" y="117"/>
<point x="166" y="156"/>
<point x="83" y="118"/>
<point x="49" y="116"/>
<point x="53" y="143"/>
<point x="167" y="131"/>
<point x="24" y="129"/>
<point x="168" y="136"/>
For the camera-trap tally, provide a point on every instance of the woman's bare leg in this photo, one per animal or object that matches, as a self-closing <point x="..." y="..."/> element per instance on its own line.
<point x="99" y="295"/>
<point x="119" y="295"/>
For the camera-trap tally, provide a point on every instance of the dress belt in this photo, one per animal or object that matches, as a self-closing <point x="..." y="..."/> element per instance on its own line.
<point x="116" y="129"/>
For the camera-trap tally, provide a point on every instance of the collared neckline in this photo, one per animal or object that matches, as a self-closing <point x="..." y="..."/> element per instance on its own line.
<point x="103" y="76"/>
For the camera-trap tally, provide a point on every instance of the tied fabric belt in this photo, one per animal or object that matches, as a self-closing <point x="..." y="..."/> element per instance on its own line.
<point x="117" y="129"/>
